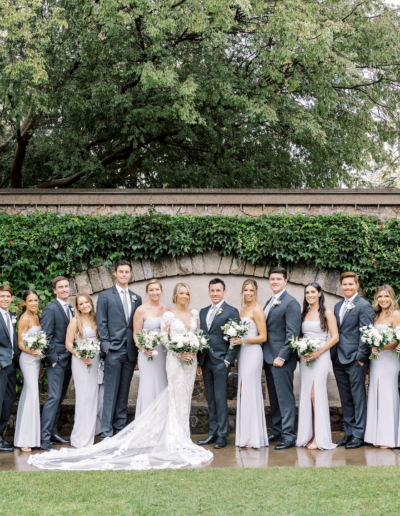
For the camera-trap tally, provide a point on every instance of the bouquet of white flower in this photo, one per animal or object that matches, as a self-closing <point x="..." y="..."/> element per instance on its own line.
<point x="377" y="338"/>
<point x="396" y="336"/>
<point x="305" y="347"/>
<point x="35" y="341"/>
<point x="149" y="340"/>
<point x="87" y="349"/>
<point x="191" y="342"/>
<point x="233" y="329"/>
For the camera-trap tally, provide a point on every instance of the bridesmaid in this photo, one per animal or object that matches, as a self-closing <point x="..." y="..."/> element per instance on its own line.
<point x="383" y="394"/>
<point x="251" y="428"/>
<point x="314" y="430"/>
<point x="27" y="428"/>
<point x="83" y="326"/>
<point x="153" y="375"/>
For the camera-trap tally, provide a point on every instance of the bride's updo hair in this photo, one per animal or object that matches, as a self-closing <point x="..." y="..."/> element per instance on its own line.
<point x="152" y="282"/>
<point x="254" y="285"/>
<point x="176" y="290"/>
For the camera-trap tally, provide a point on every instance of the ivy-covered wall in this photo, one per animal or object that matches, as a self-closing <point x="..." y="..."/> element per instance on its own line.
<point x="37" y="247"/>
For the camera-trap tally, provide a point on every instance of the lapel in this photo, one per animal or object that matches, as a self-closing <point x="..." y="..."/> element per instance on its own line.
<point x="58" y="305"/>
<point x="203" y="318"/>
<point x="5" y="326"/>
<point x="272" y="307"/>
<point x="216" y="317"/>
<point x="133" y="303"/>
<point x="355" y="300"/>
<point x="117" y="299"/>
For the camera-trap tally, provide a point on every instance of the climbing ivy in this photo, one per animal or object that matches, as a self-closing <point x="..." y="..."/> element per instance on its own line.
<point x="35" y="248"/>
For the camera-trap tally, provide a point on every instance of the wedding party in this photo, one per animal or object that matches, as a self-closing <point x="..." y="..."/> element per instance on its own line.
<point x="171" y="345"/>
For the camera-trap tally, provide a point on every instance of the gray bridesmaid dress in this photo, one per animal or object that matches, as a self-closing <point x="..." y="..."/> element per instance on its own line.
<point x="382" y="427"/>
<point x="153" y="373"/>
<point x="251" y="427"/>
<point x="317" y="374"/>
<point x="27" y="427"/>
<point x="86" y="397"/>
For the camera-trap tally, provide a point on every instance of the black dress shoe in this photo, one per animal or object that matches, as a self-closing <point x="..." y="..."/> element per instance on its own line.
<point x="274" y="437"/>
<point x="208" y="440"/>
<point x="7" y="444"/>
<point x="285" y="445"/>
<point x="346" y="439"/>
<point x="58" y="439"/>
<point x="354" y="443"/>
<point x="4" y="448"/>
<point x="46" y="446"/>
<point x="220" y="443"/>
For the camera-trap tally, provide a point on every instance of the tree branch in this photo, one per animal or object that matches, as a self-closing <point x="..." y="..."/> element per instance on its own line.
<point x="64" y="181"/>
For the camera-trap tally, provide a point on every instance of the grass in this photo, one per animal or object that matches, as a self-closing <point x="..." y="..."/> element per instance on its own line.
<point x="277" y="491"/>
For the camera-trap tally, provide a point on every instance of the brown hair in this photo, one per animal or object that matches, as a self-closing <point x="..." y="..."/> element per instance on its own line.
<point x="122" y="262"/>
<point x="279" y="270"/>
<point x="57" y="279"/>
<point x="393" y="306"/>
<point x="249" y="282"/>
<point x="6" y="288"/>
<point x="176" y="290"/>
<point x="78" y="315"/>
<point x="153" y="282"/>
<point x="348" y="275"/>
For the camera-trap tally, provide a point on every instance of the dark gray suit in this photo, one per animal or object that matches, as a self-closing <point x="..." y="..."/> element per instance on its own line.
<point x="215" y="372"/>
<point x="8" y="363"/>
<point x="54" y="322"/>
<point x="283" y="322"/>
<point x="350" y="376"/>
<point x="116" y="336"/>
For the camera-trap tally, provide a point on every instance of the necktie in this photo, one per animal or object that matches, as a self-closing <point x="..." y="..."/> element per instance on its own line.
<point x="10" y="332"/>
<point x="125" y="303"/>
<point x="67" y="312"/>
<point x="268" y="308"/>
<point x="212" y="315"/>
<point x="344" y="310"/>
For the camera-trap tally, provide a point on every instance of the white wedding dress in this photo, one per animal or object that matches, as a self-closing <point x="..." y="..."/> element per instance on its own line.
<point x="158" y="439"/>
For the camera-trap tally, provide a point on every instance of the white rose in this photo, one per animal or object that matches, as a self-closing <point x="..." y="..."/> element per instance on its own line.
<point x="302" y="347"/>
<point x="179" y="345"/>
<point x="203" y="341"/>
<point x="155" y="353"/>
<point x="231" y="332"/>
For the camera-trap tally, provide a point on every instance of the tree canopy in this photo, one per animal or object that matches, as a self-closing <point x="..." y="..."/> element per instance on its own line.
<point x="196" y="93"/>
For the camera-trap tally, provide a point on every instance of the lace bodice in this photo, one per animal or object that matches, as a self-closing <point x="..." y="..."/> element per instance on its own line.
<point x="172" y="325"/>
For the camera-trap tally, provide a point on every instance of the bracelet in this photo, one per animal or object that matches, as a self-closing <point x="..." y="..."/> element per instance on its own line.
<point x="243" y="340"/>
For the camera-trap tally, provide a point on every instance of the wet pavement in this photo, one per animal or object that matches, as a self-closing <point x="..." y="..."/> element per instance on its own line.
<point x="233" y="457"/>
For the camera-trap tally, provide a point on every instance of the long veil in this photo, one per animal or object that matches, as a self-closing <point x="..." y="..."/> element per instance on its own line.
<point x="154" y="440"/>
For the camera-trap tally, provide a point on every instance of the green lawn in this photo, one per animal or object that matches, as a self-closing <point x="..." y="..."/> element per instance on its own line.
<point x="277" y="491"/>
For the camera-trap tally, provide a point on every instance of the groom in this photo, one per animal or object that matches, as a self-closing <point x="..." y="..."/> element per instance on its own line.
<point x="216" y="361"/>
<point x="350" y="359"/>
<point x="115" y="310"/>
<point x="283" y="316"/>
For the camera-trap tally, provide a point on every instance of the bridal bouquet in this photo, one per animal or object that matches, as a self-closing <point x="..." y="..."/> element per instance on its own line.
<point x="191" y="342"/>
<point x="377" y="338"/>
<point x="149" y="340"/>
<point x="305" y="347"/>
<point x="87" y="349"/>
<point x="396" y="332"/>
<point x="35" y="341"/>
<point x="233" y="329"/>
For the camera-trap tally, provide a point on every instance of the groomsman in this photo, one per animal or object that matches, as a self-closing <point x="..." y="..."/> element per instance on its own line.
<point x="283" y="316"/>
<point x="215" y="363"/>
<point x="54" y="321"/>
<point x="115" y="310"/>
<point x="8" y="362"/>
<point x="350" y="359"/>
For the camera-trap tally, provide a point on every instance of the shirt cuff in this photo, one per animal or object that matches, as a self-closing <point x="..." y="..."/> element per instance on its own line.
<point x="226" y="362"/>
<point x="282" y="359"/>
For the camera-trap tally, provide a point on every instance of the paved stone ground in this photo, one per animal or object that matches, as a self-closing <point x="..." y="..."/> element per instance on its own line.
<point x="233" y="457"/>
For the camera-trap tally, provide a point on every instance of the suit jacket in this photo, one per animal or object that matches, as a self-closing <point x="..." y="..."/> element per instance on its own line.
<point x="283" y="322"/>
<point x="5" y="344"/>
<point x="113" y="329"/>
<point x="54" y="322"/>
<point x="219" y="347"/>
<point x="350" y="346"/>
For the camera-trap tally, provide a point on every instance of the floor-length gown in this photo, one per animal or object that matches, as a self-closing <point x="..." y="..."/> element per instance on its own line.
<point x="251" y="427"/>
<point x="153" y="373"/>
<point x="316" y="374"/>
<point x="159" y="438"/>
<point x="382" y="426"/>
<point x="27" y="426"/>
<point x="86" y="383"/>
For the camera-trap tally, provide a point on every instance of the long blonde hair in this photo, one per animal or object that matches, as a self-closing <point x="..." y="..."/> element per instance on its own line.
<point x="176" y="290"/>
<point x="249" y="282"/>
<point x="393" y="306"/>
<point x="78" y="315"/>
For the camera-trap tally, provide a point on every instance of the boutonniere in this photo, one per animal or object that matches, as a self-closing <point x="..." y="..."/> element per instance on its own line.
<point x="350" y="306"/>
<point x="218" y="312"/>
<point x="14" y="319"/>
<point x="276" y="302"/>
<point x="72" y="309"/>
<point x="133" y="297"/>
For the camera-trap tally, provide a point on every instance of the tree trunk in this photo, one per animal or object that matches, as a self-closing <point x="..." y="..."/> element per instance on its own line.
<point x="23" y="136"/>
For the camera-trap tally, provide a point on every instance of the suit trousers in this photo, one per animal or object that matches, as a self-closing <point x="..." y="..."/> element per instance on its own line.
<point x="350" y="380"/>
<point x="215" y="383"/>
<point x="58" y="381"/>
<point x="8" y="382"/>
<point x="118" y="372"/>
<point x="281" y="398"/>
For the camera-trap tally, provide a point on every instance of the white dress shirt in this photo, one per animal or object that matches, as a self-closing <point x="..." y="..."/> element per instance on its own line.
<point x="269" y="306"/>
<point x="345" y="304"/>
<point x="211" y="311"/>
<point x="64" y="304"/>
<point x="8" y="320"/>
<point x="127" y="297"/>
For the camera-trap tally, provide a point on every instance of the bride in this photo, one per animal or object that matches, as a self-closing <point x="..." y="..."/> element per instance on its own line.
<point x="160" y="437"/>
